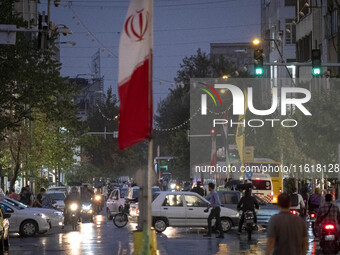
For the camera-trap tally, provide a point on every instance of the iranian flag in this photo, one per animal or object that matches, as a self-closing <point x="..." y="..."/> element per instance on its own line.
<point x="135" y="74"/>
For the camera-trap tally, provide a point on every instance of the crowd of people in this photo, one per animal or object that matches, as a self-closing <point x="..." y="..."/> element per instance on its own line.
<point x="26" y="197"/>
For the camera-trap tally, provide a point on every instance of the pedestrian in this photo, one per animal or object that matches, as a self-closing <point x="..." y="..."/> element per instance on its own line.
<point x="165" y="185"/>
<point x="215" y="204"/>
<point x="23" y="196"/>
<point x="38" y="200"/>
<point x="13" y="195"/>
<point x="198" y="189"/>
<point x="286" y="233"/>
<point x="30" y="196"/>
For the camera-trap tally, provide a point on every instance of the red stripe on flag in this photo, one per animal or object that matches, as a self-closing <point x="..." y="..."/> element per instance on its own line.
<point x="135" y="120"/>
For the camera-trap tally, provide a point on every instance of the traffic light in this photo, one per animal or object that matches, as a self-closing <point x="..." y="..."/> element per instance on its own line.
<point x="258" y="62"/>
<point x="316" y="62"/>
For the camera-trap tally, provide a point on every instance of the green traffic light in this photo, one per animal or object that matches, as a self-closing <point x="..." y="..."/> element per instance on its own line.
<point x="316" y="71"/>
<point x="258" y="71"/>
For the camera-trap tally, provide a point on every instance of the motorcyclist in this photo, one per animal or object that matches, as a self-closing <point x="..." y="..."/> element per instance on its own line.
<point x="87" y="194"/>
<point x="297" y="202"/>
<point x="315" y="200"/>
<point x="72" y="197"/>
<point x="328" y="213"/>
<point x="247" y="203"/>
<point x="198" y="189"/>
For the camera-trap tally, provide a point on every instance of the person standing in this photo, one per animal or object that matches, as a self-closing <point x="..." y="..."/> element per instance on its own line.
<point x="215" y="203"/>
<point x="286" y="233"/>
<point x="23" y="196"/>
<point x="38" y="201"/>
<point x="13" y="195"/>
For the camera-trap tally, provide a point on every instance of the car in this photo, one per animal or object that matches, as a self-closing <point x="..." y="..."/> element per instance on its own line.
<point x="186" y="209"/>
<point x="25" y="221"/>
<point x="56" y="218"/>
<point x="230" y="199"/>
<point x="115" y="202"/>
<point x="58" y="197"/>
<point x="57" y="188"/>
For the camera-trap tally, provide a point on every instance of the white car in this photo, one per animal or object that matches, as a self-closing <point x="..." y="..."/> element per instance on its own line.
<point x="25" y="221"/>
<point x="56" y="218"/>
<point x="58" y="197"/>
<point x="57" y="188"/>
<point x="115" y="202"/>
<point x="185" y="209"/>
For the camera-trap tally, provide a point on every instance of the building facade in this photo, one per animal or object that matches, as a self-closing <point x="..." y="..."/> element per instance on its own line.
<point x="278" y="36"/>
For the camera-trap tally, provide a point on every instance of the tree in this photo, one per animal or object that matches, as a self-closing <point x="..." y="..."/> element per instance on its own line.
<point x="175" y="108"/>
<point x="31" y="87"/>
<point x="102" y="152"/>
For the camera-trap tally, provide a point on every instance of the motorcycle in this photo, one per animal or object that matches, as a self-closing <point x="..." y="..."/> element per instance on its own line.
<point x="121" y="219"/>
<point x="98" y="203"/>
<point x="86" y="212"/>
<point x="249" y="223"/>
<point x="312" y="219"/>
<point x="329" y="238"/>
<point x="74" y="215"/>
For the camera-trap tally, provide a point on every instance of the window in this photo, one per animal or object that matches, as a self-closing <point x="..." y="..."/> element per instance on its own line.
<point x="194" y="201"/>
<point x="229" y="198"/>
<point x="261" y="185"/>
<point x="290" y="32"/>
<point x="331" y="23"/>
<point x="290" y="2"/>
<point x="173" y="200"/>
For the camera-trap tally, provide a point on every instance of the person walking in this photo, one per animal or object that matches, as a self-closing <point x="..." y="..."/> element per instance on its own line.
<point x="215" y="204"/>
<point x="286" y="233"/>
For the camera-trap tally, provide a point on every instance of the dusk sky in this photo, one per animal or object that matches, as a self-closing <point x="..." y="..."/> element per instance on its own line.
<point x="180" y="28"/>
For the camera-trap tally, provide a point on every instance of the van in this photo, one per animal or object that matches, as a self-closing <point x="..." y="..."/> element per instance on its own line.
<point x="262" y="186"/>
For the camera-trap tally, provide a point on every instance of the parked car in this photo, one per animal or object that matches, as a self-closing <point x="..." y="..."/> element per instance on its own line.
<point x="56" y="218"/>
<point x="58" y="197"/>
<point x="186" y="209"/>
<point x="24" y="221"/>
<point x="115" y="202"/>
<point x="57" y="188"/>
<point x="230" y="199"/>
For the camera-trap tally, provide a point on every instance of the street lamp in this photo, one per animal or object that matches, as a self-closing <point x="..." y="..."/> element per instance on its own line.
<point x="256" y="41"/>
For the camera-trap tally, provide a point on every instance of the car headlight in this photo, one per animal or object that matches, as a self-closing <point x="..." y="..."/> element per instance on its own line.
<point x="86" y="207"/>
<point x="97" y="198"/>
<point x="173" y="186"/>
<point x="41" y="215"/>
<point x="73" y="206"/>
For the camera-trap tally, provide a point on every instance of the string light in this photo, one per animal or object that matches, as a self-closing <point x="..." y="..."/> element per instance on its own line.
<point x="178" y="126"/>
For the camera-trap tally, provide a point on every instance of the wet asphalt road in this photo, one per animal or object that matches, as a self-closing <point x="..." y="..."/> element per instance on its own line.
<point x="103" y="238"/>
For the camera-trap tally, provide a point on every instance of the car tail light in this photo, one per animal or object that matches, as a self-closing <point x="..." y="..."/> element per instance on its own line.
<point x="329" y="226"/>
<point x="312" y="215"/>
<point x="137" y="211"/>
<point x="293" y="212"/>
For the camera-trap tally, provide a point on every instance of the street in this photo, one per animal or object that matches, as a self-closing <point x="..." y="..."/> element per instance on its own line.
<point x="102" y="237"/>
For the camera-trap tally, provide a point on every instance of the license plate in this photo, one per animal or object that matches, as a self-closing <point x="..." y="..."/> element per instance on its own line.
<point x="329" y="237"/>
